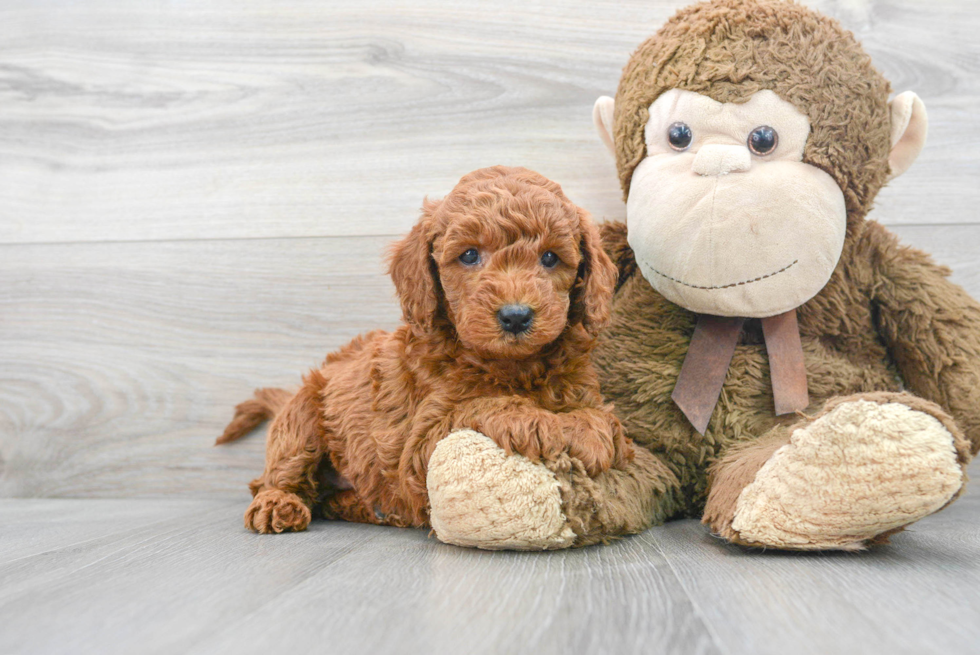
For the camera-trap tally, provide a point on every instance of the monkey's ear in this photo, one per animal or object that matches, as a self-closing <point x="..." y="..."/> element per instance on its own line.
<point x="602" y="116"/>
<point x="413" y="271"/>
<point x="909" y="127"/>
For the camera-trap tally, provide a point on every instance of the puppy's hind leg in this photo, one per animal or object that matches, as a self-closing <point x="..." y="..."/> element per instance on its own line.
<point x="286" y="490"/>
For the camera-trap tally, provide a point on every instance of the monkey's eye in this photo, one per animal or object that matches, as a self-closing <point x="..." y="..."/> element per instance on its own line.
<point x="549" y="259"/>
<point x="679" y="136"/>
<point x="763" y="140"/>
<point x="470" y="257"/>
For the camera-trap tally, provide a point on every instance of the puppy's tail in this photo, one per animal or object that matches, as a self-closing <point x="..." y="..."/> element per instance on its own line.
<point x="249" y="414"/>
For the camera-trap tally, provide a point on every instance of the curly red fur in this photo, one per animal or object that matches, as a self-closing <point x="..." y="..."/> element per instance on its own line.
<point x="356" y="438"/>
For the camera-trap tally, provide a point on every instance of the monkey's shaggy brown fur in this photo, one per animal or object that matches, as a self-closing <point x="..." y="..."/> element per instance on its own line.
<point x="887" y="320"/>
<point x="357" y="437"/>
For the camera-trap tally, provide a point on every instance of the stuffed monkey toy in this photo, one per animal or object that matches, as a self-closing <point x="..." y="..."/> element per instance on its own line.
<point x="794" y="375"/>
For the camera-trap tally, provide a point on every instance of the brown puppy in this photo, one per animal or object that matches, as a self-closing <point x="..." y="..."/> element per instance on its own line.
<point x="504" y="286"/>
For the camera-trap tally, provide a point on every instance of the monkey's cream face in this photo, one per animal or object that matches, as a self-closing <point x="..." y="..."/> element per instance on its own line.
<point x="724" y="217"/>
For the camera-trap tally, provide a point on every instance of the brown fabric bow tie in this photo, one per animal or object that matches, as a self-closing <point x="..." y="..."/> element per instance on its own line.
<point x="712" y="347"/>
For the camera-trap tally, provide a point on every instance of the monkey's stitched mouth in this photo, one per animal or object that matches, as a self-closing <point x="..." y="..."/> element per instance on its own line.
<point x="724" y="286"/>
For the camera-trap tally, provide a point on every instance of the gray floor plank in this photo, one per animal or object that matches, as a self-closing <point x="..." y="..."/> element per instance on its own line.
<point x="122" y="362"/>
<point x="34" y="526"/>
<point x="169" y="121"/>
<point x="199" y="583"/>
<point x="916" y="595"/>
<point x="158" y="589"/>
<point x="427" y="597"/>
<point x="142" y="351"/>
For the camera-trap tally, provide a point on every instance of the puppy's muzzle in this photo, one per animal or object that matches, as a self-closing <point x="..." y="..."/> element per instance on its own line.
<point x="515" y="318"/>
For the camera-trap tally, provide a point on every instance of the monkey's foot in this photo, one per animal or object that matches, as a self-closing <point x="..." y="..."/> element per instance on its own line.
<point x="863" y="469"/>
<point x="274" y="511"/>
<point x="482" y="498"/>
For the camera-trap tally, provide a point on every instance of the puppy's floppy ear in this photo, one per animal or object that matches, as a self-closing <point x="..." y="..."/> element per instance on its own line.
<point x="591" y="298"/>
<point x="415" y="274"/>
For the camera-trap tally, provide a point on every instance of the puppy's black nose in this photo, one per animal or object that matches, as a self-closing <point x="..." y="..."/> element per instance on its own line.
<point x="515" y="318"/>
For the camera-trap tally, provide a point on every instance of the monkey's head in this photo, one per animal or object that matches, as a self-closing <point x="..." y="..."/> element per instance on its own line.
<point x="751" y="137"/>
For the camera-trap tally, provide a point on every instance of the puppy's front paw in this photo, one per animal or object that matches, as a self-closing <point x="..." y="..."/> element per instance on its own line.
<point x="275" y="511"/>
<point x="595" y="454"/>
<point x="597" y="439"/>
<point x="536" y="435"/>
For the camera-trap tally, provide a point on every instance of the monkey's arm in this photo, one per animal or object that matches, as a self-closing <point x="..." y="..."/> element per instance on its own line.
<point x="614" y="242"/>
<point x="931" y="327"/>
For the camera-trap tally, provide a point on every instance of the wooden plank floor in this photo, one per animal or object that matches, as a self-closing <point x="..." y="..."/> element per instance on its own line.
<point x="194" y="201"/>
<point x="159" y="576"/>
<point x="195" y="197"/>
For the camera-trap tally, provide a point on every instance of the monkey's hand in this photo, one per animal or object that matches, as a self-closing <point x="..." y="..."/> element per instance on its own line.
<point x="931" y="327"/>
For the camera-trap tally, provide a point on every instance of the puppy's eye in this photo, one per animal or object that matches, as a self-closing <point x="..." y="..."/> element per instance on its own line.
<point x="679" y="136"/>
<point x="549" y="259"/>
<point x="470" y="257"/>
<point x="763" y="140"/>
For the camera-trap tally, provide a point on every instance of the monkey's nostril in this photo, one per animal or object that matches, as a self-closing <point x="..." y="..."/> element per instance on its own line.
<point x="515" y="318"/>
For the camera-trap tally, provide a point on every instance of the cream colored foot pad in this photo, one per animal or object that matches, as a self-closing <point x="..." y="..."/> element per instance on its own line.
<point x="481" y="497"/>
<point x="860" y="470"/>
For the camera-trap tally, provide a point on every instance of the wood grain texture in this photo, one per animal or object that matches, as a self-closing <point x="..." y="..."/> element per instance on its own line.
<point x="226" y="119"/>
<point x="170" y="577"/>
<point x="199" y="583"/>
<point x="35" y="526"/>
<point x="122" y="361"/>
<point x="194" y="201"/>
<point x="917" y="595"/>
<point x="428" y="597"/>
<point x="168" y="174"/>
<point x="156" y="588"/>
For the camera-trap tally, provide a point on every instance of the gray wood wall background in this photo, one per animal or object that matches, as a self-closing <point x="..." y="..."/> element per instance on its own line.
<point x="195" y="197"/>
